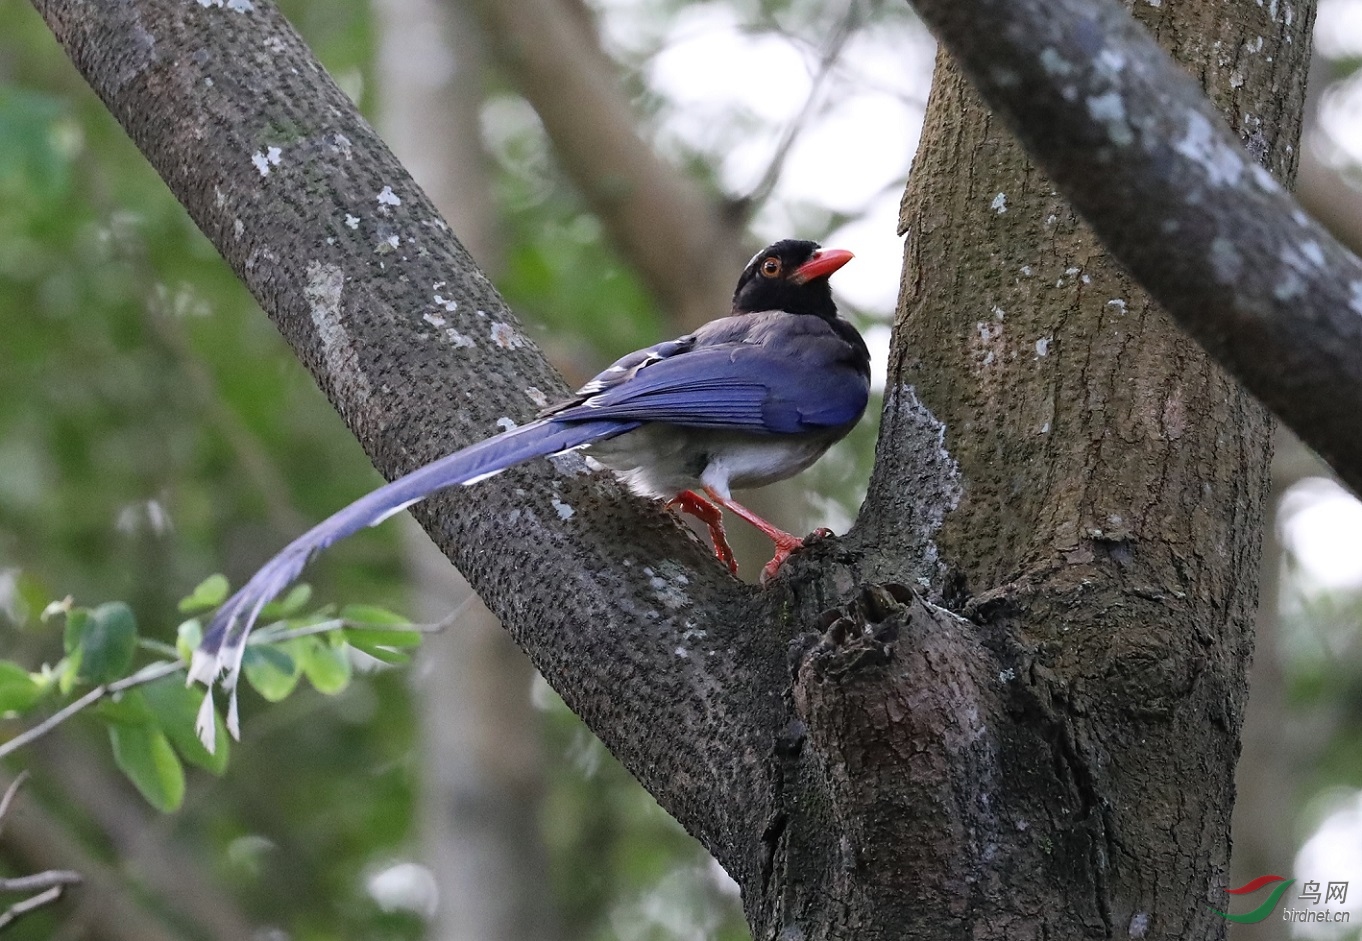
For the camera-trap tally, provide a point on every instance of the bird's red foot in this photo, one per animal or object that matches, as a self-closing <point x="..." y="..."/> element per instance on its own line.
<point x="788" y="547"/>
<point x="688" y="501"/>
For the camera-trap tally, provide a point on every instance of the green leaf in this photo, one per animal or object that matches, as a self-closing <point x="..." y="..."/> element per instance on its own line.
<point x="385" y="654"/>
<point x="272" y="672"/>
<point x="372" y="629"/>
<point x="67" y="671"/>
<point x="29" y="600"/>
<point x="326" y="666"/>
<point x="208" y="594"/>
<point x="367" y="616"/>
<point x="145" y="755"/>
<point x="19" y="689"/>
<point x="175" y="708"/>
<point x="129" y="708"/>
<point x="289" y="605"/>
<point x="188" y="637"/>
<point x="77" y="624"/>
<point x="107" y="641"/>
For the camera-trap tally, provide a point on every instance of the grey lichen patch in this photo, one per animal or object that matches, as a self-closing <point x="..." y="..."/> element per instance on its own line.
<point x="562" y="508"/>
<point x="324" y="289"/>
<point x="1299" y="262"/>
<point x="1221" y="164"/>
<point x="1004" y="77"/>
<point x="386" y="197"/>
<point x="572" y="463"/>
<point x="937" y="484"/>
<point x="1264" y="180"/>
<point x="999" y="204"/>
<point x="506" y="336"/>
<point x="1054" y="63"/>
<point x="988" y="348"/>
<point x="1110" y="62"/>
<point x="266" y="159"/>
<point x="460" y="341"/>
<point x="1290" y="287"/>
<point x="668" y="584"/>
<point x="1110" y="110"/>
<point x="1226" y="262"/>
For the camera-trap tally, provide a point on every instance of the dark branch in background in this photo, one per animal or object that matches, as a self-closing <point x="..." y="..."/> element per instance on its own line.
<point x="1129" y="138"/>
<point x="637" y="627"/>
<point x="832" y="51"/>
<point x="665" y="225"/>
<point x="104" y="900"/>
<point x="46" y="886"/>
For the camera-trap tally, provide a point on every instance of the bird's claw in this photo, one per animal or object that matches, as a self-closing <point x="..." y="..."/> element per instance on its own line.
<point x="786" y="549"/>
<point x="688" y="501"/>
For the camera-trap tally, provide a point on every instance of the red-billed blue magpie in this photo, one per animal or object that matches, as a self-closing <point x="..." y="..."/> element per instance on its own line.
<point x="744" y="401"/>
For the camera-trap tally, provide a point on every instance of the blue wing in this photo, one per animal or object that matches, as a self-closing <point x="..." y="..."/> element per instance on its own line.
<point x="733" y="386"/>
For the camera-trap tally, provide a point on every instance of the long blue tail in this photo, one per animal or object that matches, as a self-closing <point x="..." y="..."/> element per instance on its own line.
<point x="225" y="640"/>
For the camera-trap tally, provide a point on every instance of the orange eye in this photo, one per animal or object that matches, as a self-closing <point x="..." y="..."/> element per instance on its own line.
<point x="771" y="267"/>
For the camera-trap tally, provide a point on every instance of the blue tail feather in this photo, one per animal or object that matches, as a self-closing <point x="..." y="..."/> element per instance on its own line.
<point x="225" y="640"/>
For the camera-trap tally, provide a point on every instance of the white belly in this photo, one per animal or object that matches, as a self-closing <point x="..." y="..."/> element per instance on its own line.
<point x="663" y="460"/>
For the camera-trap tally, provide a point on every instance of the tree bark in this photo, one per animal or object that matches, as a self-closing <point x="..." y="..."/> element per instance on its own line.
<point x="1185" y="202"/>
<point x="482" y="760"/>
<point x="1008" y="703"/>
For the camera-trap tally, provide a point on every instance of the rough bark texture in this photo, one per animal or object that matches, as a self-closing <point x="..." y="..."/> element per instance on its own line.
<point x="1036" y="738"/>
<point x="1183" y="200"/>
<point x="1105" y="536"/>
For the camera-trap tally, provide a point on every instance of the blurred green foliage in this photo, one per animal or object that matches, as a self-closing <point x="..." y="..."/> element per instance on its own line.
<point x="154" y="428"/>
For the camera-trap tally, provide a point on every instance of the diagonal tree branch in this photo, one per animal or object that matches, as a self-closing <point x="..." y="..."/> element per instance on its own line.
<point x="1132" y="142"/>
<point x="640" y="630"/>
<point x="671" y="231"/>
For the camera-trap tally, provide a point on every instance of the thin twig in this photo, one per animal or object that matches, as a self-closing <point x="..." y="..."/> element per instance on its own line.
<point x="147" y="674"/>
<point x="51" y="722"/>
<point x="20" y="909"/>
<point x="158" y="647"/>
<point x="831" y="53"/>
<point x="10" y="793"/>
<point x="40" y="880"/>
<point x="273" y="634"/>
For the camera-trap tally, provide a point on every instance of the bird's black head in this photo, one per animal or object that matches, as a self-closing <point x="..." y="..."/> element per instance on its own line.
<point x="791" y="275"/>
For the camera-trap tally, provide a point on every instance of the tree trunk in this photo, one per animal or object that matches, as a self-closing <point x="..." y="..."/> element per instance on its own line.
<point x="1062" y="765"/>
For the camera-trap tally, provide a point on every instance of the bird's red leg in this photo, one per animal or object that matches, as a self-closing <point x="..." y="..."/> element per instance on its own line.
<point x="688" y="501"/>
<point x="786" y="543"/>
